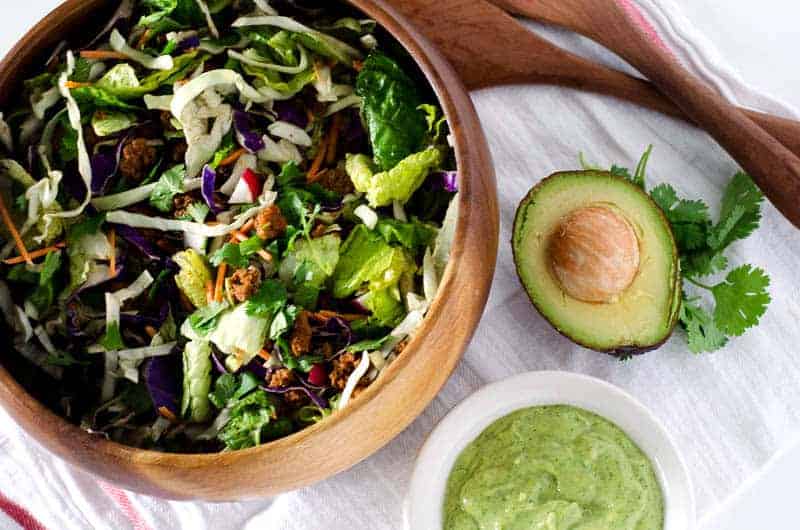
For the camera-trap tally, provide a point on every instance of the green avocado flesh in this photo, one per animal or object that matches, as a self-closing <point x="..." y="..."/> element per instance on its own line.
<point x="642" y="317"/>
<point x="554" y="467"/>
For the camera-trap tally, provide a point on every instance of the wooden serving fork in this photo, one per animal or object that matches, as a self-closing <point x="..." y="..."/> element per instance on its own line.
<point x="488" y="47"/>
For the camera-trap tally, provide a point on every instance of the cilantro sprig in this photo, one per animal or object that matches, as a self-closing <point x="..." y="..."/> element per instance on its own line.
<point x="712" y="313"/>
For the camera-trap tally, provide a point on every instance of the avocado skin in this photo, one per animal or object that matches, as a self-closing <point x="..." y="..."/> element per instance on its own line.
<point x="623" y="351"/>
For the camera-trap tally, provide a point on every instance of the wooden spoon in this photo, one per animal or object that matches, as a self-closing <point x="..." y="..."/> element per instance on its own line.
<point x="489" y="47"/>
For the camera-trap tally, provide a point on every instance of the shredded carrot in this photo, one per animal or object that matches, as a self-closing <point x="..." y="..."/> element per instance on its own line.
<point x="101" y="55"/>
<point x="165" y="412"/>
<point x="74" y="84"/>
<point x="233" y="157"/>
<point x="35" y="254"/>
<point x="317" y="163"/>
<point x="247" y="226"/>
<point x="209" y="291"/>
<point x="264" y="354"/>
<point x="112" y="241"/>
<point x="333" y="141"/>
<point x="221" y="270"/>
<point x="325" y="314"/>
<point x="151" y="331"/>
<point x="14" y="233"/>
<point x="144" y="38"/>
<point x="358" y="66"/>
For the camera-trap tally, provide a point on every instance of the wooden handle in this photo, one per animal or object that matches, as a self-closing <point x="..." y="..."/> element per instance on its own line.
<point x="764" y="155"/>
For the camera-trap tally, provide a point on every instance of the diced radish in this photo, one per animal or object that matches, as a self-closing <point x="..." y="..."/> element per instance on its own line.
<point x="317" y="376"/>
<point x="247" y="189"/>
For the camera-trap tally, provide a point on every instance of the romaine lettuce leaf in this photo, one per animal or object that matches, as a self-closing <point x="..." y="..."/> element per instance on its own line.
<point x="367" y="258"/>
<point x="385" y="305"/>
<point x="396" y="184"/>
<point x="195" y="405"/>
<point x="193" y="276"/>
<point x="314" y="260"/>
<point x="240" y="335"/>
<point x="391" y="104"/>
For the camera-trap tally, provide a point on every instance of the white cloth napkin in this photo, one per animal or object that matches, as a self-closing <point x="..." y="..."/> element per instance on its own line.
<point x="729" y="411"/>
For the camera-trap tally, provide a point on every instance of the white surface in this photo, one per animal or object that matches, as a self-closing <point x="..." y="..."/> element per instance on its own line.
<point x="729" y="412"/>
<point x="465" y="422"/>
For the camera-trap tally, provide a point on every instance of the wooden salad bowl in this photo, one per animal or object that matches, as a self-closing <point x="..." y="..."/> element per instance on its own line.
<point x="386" y="407"/>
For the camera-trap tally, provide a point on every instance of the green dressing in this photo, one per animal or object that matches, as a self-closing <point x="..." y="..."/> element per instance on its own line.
<point x="553" y="468"/>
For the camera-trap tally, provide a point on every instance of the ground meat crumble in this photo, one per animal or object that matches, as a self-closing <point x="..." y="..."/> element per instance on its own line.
<point x="301" y="334"/>
<point x="284" y="377"/>
<point x="137" y="158"/>
<point x="270" y="223"/>
<point x="245" y="283"/>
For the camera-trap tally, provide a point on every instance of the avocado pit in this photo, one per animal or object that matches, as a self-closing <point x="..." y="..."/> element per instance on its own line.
<point x="594" y="254"/>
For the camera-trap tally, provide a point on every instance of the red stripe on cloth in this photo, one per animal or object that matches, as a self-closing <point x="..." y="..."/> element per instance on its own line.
<point x="641" y="21"/>
<point x="124" y="503"/>
<point x="19" y="514"/>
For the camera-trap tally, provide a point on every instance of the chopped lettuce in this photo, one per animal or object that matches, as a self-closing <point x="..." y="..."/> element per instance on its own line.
<point x="385" y="305"/>
<point x="311" y="262"/>
<point x="321" y="43"/>
<point x="239" y="335"/>
<point x="391" y="104"/>
<point x="193" y="276"/>
<point x="195" y="405"/>
<point x="396" y="184"/>
<point x="121" y="81"/>
<point x="106" y="123"/>
<point x="367" y="258"/>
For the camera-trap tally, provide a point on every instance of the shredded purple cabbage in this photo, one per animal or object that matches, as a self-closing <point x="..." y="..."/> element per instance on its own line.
<point x="136" y="239"/>
<point x="219" y="366"/>
<point x="161" y="376"/>
<point x="250" y="140"/>
<point x="290" y="112"/>
<point x="105" y="164"/>
<point x="208" y="187"/>
<point x="319" y="401"/>
<point x="256" y="367"/>
<point x="189" y="43"/>
<point x="443" y="181"/>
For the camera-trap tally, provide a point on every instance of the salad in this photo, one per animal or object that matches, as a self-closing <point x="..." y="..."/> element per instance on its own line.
<point x="221" y="220"/>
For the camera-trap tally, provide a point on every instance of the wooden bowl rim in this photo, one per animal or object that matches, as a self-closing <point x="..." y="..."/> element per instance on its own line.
<point x="430" y="62"/>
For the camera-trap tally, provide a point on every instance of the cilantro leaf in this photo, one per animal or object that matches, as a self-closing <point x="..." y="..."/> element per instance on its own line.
<point x="689" y="219"/>
<point x="229" y="253"/>
<point x="740" y="214"/>
<point x="197" y="212"/>
<point x="89" y="225"/>
<point x="237" y="254"/>
<point x="230" y="388"/>
<point x="290" y="174"/>
<point x="702" y="333"/>
<point x="205" y="319"/>
<point x="44" y="294"/>
<point x="282" y="322"/>
<point x="169" y="185"/>
<point x="741" y="299"/>
<point x="270" y="298"/>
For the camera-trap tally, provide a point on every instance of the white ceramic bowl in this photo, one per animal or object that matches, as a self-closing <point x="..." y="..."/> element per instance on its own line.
<point x="423" y="504"/>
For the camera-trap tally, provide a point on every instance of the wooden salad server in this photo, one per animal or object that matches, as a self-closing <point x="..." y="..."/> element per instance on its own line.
<point x="488" y="47"/>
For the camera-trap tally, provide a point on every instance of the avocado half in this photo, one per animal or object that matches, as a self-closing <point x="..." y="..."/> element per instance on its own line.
<point x="598" y="260"/>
